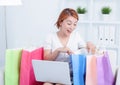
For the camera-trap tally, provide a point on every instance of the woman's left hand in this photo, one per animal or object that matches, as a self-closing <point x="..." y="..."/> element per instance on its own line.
<point x="91" y="48"/>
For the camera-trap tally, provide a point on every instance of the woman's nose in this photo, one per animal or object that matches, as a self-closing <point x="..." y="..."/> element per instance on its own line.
<point x="72" y="27"/>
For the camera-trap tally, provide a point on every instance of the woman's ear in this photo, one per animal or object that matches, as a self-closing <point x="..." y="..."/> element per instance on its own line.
<point x="60" y="24"/>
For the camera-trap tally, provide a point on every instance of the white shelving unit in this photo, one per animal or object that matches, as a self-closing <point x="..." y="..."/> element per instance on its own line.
<point x="104" y="33"/>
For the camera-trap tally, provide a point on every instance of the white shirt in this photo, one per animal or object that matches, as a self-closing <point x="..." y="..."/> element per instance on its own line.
<point x="75" y="43"/>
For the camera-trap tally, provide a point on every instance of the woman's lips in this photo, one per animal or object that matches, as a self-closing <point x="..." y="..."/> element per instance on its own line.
<point x="68" y="31"/>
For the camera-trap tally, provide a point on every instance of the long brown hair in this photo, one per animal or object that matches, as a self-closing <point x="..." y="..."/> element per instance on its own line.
<point x="64" y="14"/>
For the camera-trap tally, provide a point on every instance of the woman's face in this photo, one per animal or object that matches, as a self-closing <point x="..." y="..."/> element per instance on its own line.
<point x="68" y="25"/>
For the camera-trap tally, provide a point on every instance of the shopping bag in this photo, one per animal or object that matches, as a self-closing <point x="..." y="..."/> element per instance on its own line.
<point x="91" y="70"/>
<point x="100" y="72"/>
<point x="104" y="70"/>
<point x="118" y="77"/>
<point x="27" y="76"/>
<point x="78" y="67"/>
<point x="12" y="66"/>
<point x="108" y="74"/>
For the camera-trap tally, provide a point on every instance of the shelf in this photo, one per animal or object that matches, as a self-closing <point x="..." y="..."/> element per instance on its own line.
<point x="99" y="22"/>
<point x="83" y="21"/>
<point x="95" y="25"/>
<point x="106" y="22"/>
<point x="109" y="47"/>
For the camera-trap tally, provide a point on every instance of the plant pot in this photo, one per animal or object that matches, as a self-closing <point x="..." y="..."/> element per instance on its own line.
<point x="106" y="17"/>
<point x="81" y="16"/>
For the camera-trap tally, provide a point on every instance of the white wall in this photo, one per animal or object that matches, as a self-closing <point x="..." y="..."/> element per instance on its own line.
<point x="27" y="25"/>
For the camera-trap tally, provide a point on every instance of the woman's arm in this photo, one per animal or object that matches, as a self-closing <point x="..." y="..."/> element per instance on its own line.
<point x="49" y="55"/>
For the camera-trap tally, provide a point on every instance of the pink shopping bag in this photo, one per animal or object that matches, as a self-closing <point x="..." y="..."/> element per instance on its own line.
<point x="26" y="70"/>
<point x="91" y="71"/>
<point x="104" y="70"/>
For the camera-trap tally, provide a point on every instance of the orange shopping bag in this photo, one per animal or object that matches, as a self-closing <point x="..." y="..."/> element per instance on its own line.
<point x="91" y="70"/>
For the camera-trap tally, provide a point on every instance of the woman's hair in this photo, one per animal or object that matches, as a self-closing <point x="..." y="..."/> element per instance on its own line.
<point x="64" y="14"/>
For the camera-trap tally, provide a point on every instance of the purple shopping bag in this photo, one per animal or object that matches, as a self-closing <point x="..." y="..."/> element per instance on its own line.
<point x="104" y="70"/>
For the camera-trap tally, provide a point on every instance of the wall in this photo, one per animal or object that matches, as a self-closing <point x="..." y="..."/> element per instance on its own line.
<point x="27" y="25"/>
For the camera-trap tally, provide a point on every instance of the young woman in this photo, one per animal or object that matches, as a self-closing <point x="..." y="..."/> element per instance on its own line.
<point x="58" y="46"/>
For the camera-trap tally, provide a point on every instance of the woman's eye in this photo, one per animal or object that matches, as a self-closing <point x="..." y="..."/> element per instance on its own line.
<point x="75" y="24"/>
<point x="69" y="23"/>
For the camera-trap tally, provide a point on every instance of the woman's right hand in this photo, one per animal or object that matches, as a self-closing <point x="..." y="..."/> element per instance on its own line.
<point x="66" y="50"/>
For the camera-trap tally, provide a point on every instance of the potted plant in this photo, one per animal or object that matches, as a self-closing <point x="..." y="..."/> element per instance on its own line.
<point x="106" y="10"/>
<point x="81" y="12"/>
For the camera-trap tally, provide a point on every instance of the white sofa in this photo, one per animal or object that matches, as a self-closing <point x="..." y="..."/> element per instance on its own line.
<point x="116" y="72"/>
<point x="1" y="75"/>
<point x="115" y="69"/>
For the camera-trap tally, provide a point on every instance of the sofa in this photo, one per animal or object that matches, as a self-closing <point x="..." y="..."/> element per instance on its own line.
<point x="116" y="72"/>
<point x="1" y="75"/>
<point x="18" y="68"/>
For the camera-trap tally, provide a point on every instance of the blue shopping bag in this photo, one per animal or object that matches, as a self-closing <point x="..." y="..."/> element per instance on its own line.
<point x="78" y="63"/>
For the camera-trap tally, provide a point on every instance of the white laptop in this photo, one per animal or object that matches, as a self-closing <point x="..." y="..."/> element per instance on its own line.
<point x="52" y="71"/>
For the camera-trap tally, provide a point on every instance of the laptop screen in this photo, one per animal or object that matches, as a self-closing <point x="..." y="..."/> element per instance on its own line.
<point x="51" y="71"/>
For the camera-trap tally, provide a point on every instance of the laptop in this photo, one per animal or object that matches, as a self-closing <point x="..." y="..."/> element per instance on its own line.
<point x="51" y="71"/>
